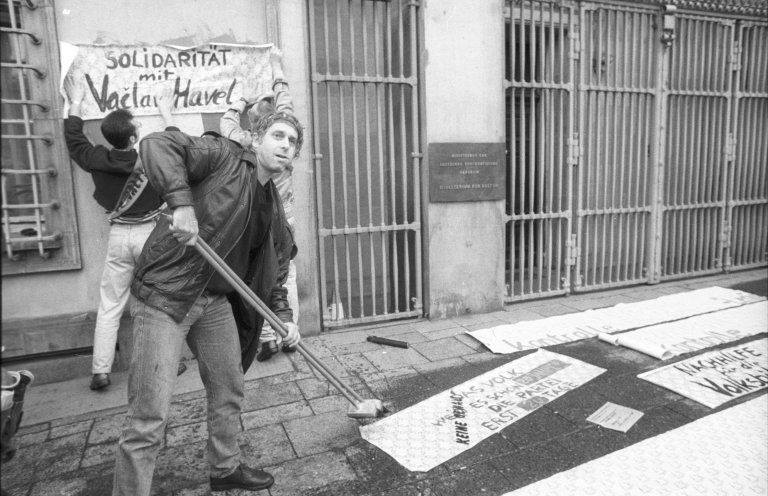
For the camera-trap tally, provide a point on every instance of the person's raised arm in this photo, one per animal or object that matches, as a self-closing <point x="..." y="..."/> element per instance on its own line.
<point x="165" y="105"/>
<point x="81" y="150"/>
<point x="229" y="124"/>
<point x="283" y="101"/>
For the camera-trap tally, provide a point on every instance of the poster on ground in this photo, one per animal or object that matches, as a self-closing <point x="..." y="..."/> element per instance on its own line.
<point x="427" y="434"/>
<point x="664" y="341"/>
<point x="203" y="78"/>
<point x="511" y="338"/>
<point x="717" y="377"/>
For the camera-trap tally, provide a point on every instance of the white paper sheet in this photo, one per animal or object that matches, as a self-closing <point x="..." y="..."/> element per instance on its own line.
<point x="427" y="434"/>
<point x="725" y="453"/>
<point x="511" y="338"/>
<point x="616" y="417"/>
<point x="664" y="341"/>
<point x="717" y="377"/>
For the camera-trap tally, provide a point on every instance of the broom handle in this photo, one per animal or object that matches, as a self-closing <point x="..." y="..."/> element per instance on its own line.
<point x="232" y="278"/>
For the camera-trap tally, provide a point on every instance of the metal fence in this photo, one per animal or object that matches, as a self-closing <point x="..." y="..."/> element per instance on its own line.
<point x="367" y="159"/>
<point x="637" y="145"/>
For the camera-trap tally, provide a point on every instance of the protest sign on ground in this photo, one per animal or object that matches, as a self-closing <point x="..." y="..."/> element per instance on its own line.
<point x="664" y="341"/>
<point x="511" y="338"/>
<point x="439" y="428"/>
<point x="718" y="376"/>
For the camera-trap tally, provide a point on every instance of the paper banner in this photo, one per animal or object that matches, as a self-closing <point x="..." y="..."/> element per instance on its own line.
<point x="716" y="377"/>
<point x="664" y="341"/>
<point x="130" y="76"/>
<point x="725" y="453"/>
<point x="511" y="338"/>
<point x="427" y="434"/>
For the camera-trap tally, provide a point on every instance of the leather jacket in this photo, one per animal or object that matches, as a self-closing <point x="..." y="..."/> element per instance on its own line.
<point x="214" y="175"/>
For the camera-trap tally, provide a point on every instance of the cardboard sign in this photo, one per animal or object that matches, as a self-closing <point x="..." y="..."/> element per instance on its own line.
<point x="717" y="377"/>
<point x="439" y="428"/>
<point x="129" y="77"/>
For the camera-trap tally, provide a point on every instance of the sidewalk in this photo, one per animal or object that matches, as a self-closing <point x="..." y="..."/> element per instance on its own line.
<point x="295" y="425"/>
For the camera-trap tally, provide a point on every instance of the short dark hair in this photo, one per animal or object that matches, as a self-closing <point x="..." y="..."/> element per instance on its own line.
<point x="266" y="121"/>
<point x="117" y="128"/>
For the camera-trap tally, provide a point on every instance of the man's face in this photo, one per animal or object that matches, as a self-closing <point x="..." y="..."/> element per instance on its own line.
<point x="277" y="148"/>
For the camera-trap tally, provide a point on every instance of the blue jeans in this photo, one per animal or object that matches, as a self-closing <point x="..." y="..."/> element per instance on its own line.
<point x="211" y="333"/>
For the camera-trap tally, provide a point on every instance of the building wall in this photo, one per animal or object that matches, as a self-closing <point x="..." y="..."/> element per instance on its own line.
<point x="179" y="22"/>
<point x="464" y="98"/>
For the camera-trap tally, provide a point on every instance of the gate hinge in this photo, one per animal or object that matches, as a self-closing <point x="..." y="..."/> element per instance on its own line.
<point x="574" y="150"/>
<point x="575" y="45"/>
<point x="730" y="148"/>
<point x="736" y="56"/>
<point x="572" y="251"/>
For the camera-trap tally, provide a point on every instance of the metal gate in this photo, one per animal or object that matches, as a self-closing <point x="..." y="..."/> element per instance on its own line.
<point x="367" y="158"/>
<point x="541" y="145"/>
<point x="644" y="157"/>
<point x="697" y="146"/>
<point x="617" y="109"/>
<point x="747" y="238"/>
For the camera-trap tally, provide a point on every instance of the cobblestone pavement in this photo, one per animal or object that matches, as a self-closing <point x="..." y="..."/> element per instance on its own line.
<point x="296" y="426"/>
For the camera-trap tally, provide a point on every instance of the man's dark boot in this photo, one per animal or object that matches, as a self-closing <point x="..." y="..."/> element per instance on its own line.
<point x="268" y="348"/>
<point x="99" y="381"/>
<point x="244" y="477"/>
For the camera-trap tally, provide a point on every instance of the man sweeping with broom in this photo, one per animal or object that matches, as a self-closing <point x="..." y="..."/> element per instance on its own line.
<point x="224" y="195"/>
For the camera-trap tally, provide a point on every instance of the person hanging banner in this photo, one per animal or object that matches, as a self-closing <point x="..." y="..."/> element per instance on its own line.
<point x="204" y="78"/>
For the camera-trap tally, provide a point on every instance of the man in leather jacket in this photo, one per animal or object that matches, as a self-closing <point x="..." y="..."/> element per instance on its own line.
<point x="224" y="194"/>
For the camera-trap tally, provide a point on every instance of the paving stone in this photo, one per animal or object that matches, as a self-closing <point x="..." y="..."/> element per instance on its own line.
<point x="449" y="377"/>
<point x="60" y="487"/>
<point x="427" y="326"/>
<point x="336" y="403"/>
<point x="579" y="404"/>
<point x="486" y="450"/>
<point x="276" y="414"/>
<point x="267" y="396"/>
<point x="44" y="460"/>
<point x="476" y="479"/>
<point x="32" y="429"/>
<point x="520" y="312"/>
<point x="394" y="358"/>
<point x="343" y="337"/>
<point x="689" y="408"/>
<point x="529" y="465"/>
<point x="448" y="363"/>
<point x="314" y="387"/>
<point x="201" y="490"/>
<point x="294" y="477"/>
<point x="355" y="364"/>
<point x="188" y="412"/>
<point x="410" y="337"/>
<point x="312" y="435"/>
<point x="347" y="348"/>
<point x="322" y="348"/>
<point x="538" y="427"/>
<point x="181" y="466"/>
<point x="380" y="472"/>
<point x="98" y="454"/>
<point x="185" y="434"/>
<point x="444" y="333"/>
<point x="631" y="391"/>
<point x="106" y="428"/>
<point x="341" y="488"/>
<point x="616" y="360"/>
<point x="68" y="429"/>
<point x="31" y="439"/>
<point x="266" y="446"/>
<point x="442" y="349"/>
<point x="654" y="422"/>
<point x="599" y="301"/>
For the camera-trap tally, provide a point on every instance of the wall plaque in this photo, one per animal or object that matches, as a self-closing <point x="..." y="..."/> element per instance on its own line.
<point x="466" y="172"/>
